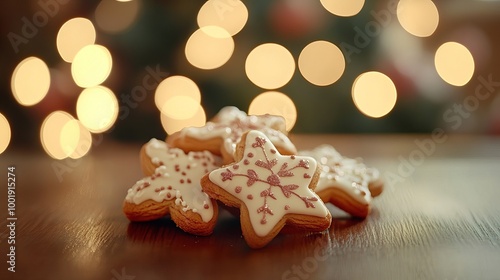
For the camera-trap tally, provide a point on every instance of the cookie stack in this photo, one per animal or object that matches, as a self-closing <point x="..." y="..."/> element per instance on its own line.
<point x="248" y="164"/>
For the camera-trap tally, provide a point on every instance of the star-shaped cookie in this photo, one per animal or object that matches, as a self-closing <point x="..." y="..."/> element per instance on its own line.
<point x="345" y="182"/>
<point x="271" y="190"/>
<point x="221" y="135"/>
<point x="173" y="188"/>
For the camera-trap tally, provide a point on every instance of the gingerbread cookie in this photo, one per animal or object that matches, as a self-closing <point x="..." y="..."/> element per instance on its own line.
<point x="221" y="135"/>
<point x="173" y="188"/>
<point x="271" y="190"/>
<point x="345" y="182"/>
<point x="156" y="153"/>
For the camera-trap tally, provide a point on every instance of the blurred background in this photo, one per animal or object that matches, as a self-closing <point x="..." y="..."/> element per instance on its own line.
<point x="74" y="71"/>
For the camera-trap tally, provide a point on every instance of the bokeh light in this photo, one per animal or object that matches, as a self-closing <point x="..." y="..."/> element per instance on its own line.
<point x="343" y="8"/>
<point x="230" y="15"/>
<point x="97" y="108"/>
<point x="209" y="47"/>
<point x="477" y="41"/>
<point x="321" y="63"/>
<point x="275" y="103"/>
<point x="270" y="66"/>
<point x="172" y="92"/>
<point x="73" y="35"/>
<point x="418" y="17"/>
<point x="69" y="136"/>
<point x="75" y="139"/>
<point x="454" y="63"/>
<point x="50" y="134"/>
<point x="116" y="16"/>
<point x="374" y="94"/>
<point x="180" y="107"/>
<point x="5" y="133"/>
<point x="84" y="143"/>
<point x="30" y="81"/>
<point x="171" y="125"/>
<point x="91" y="66"/>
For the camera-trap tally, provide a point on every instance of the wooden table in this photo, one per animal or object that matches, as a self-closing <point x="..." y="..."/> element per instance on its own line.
<point x="439" y="220"/>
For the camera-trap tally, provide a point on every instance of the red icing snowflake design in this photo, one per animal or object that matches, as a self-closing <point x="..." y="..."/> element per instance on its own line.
<point x="271" y="185"/>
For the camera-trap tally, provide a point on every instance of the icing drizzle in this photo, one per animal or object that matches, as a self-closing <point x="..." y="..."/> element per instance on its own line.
<point x="270" y="185"/>
<point x="176" y="179"/>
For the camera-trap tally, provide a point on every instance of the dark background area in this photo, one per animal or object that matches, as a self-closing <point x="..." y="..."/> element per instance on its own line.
<point x="157" y="38"/>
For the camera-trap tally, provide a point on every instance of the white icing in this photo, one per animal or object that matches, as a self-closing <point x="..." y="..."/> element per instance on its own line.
<point x="178" y="178"/>
<point x="231" y="123"/>
<point x="233" y="113"/>
<point x="286" y="177"/>
<point x="229" y="112"/>
<point x="350" y="175"/>
<point x="155" y="160"/>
